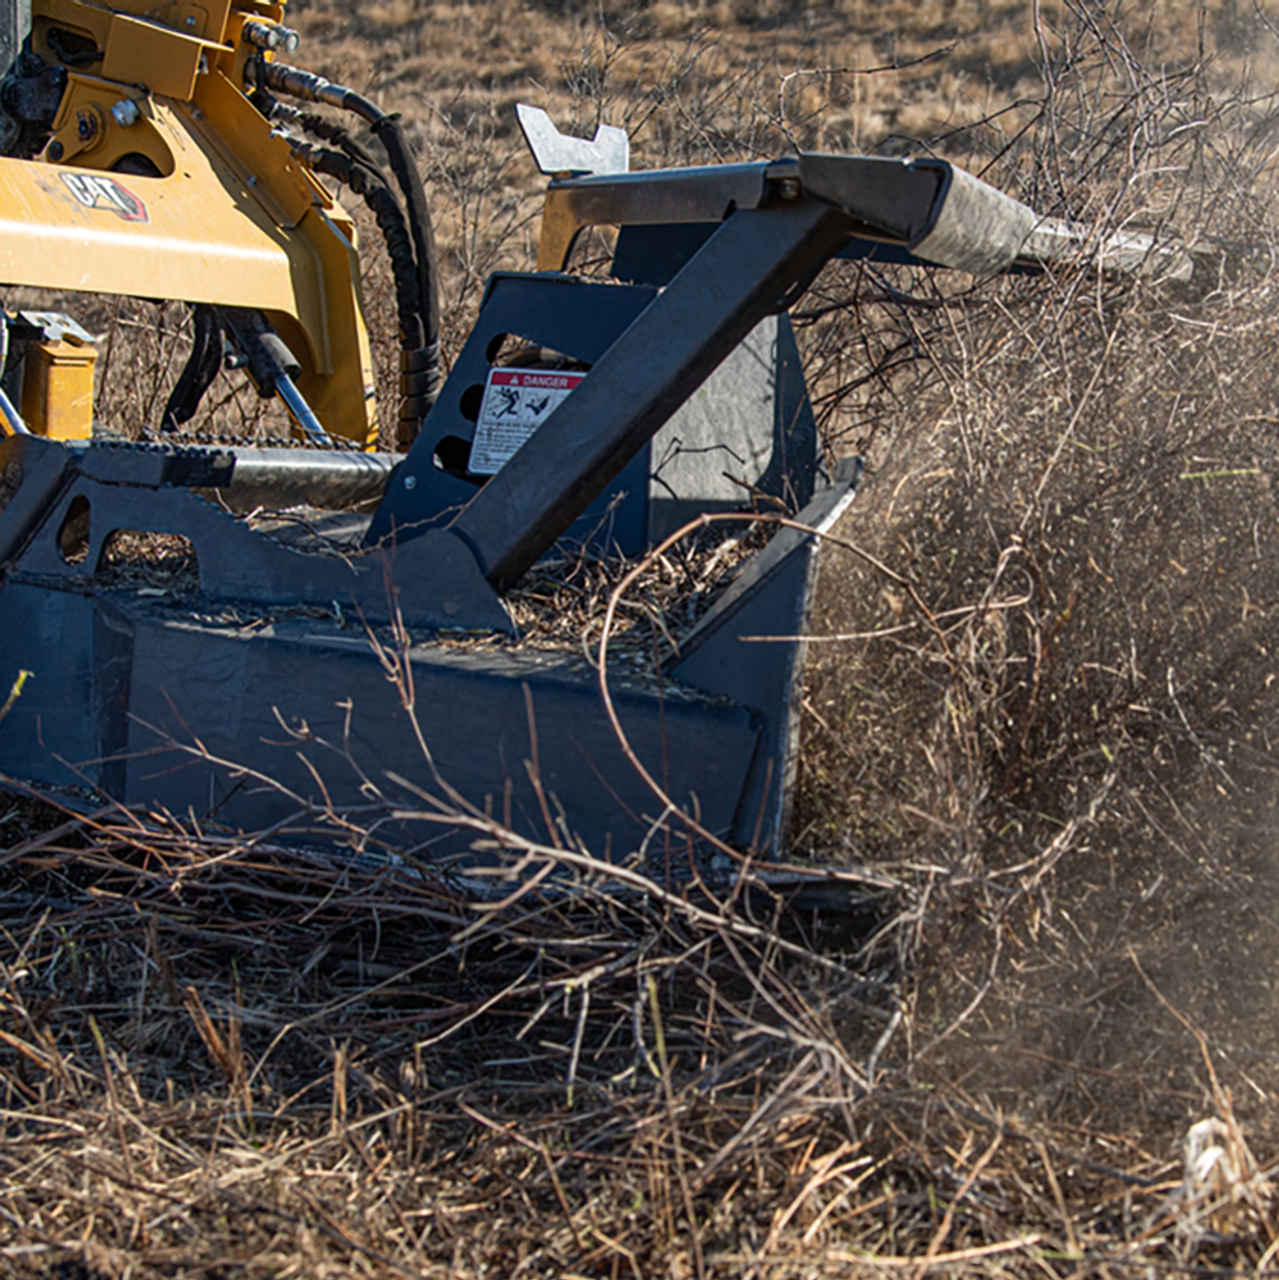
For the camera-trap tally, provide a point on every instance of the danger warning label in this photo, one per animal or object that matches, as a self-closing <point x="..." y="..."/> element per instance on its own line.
<point x="516" y="402"/>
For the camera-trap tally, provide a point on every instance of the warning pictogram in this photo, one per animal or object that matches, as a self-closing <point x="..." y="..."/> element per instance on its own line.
<point x="516" y="402"/>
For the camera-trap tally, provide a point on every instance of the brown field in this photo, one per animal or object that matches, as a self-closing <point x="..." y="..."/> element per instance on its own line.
<point x="1049" y="1046"/>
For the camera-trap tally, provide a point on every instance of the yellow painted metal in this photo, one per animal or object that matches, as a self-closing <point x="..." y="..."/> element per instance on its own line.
<point x="204" y="19"/>
<point x="331" y="393"/>
<point x="227" y="122"/>
<point x="560" y="224"/>
<point x="235" y="220"/>
<point x="167" y="62"/>
<point x="57" y="389"/>
<point x="88" y="133"/>
<point x="199" y="235"/>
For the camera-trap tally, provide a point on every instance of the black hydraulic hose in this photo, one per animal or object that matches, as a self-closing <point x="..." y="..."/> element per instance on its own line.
<point x="427" y="373"/>
<point x="369" y="185"/>
<point x="409" y="183"/>
<point x="201" y="368"/>
<point x="293" y="82"/>
<point x="364" y="175"/>
<point x="330" y="131"/>
<point x="420" y="366"/>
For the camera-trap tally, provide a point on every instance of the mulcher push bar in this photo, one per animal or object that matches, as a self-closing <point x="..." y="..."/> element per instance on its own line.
<point x="784" y="222"/>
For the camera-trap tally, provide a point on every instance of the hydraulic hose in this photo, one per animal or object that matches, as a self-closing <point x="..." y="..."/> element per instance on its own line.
<point x="328" y="130"/>
<point x="201" y="368"/>
<point x="367" y="183"/>
<point x="306" y="86"/>
<point x="420" y="365"/>
<point x="419" y="370"/>
<point x="359" y="169"/>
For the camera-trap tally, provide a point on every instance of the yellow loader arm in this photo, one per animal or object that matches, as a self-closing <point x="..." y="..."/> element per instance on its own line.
<point x="157" y="176"/>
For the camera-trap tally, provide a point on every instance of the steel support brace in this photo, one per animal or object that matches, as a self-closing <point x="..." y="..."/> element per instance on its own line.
<point x="748" y="269"/>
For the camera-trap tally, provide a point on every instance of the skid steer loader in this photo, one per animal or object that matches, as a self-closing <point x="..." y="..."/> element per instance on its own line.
<point x="169" y="150"/>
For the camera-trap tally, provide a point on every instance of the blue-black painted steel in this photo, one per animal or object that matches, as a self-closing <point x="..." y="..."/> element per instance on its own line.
<point x="577" y="318"/>
<point x="432" y="582"/>
<point x="742" y="274"/>
<point x="123" y="687"/>
<point x="656" y="253"/>
<point x="730" y="653"/>
<point x="473" y="714"/>
<point x="750" y="431"/>
<point x="121" y="682"/>
<point x="265" y="656"/>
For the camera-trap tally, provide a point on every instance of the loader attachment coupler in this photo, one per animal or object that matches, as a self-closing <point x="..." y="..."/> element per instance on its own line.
<point x="320" y="652"/>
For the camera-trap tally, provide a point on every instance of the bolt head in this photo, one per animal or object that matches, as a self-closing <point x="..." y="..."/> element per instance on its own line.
<point x="125" y="112"/>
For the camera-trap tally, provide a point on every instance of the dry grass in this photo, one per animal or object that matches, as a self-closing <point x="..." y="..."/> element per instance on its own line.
<point x="1046" y="1043"/>
<point x="224" y="1055"/>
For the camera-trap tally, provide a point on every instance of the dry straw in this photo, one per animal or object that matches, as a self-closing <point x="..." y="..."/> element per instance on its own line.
<point x="1046" y="743"/>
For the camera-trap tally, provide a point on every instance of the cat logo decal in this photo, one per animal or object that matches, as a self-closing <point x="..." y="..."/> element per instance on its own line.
<point x="97" y="191"/>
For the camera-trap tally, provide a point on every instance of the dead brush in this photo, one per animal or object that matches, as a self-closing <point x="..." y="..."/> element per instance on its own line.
<point x="1055" y="736"/>
<point x="357" y="1000"/>
<point x="1052" y="733"/>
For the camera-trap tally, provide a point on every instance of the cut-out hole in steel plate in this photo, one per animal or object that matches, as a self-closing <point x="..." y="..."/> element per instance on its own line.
<point x="73" y="534"/>
<point x="154" y="563"/>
